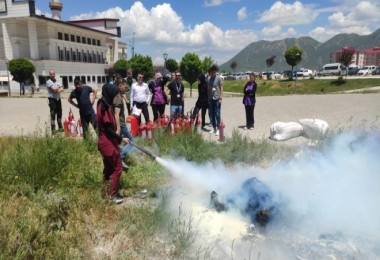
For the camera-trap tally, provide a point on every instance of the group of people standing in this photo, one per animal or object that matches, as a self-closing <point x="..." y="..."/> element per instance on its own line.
<point x="127" y="95"/>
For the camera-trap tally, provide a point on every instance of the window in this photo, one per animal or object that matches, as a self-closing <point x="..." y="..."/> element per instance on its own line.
<point x="60" y="53"/>
<point x="84" y="40"/>
<point x="93" y="78"/>
<point x="83" y="79"/>
<point x="98" y="42"/>
<point x="99" y="79"/>
<point x="103" y="79"/>
<point x="79" y="56"/>
<point x="89" y="41"/>
<point x="66" y="36"/>
<point x="42" y="79"/>
<point x="72" y="38"/>
<point x="88" y="78"/>
<point x="70" y="78"/>
<point x="93" y="42"/>
<point x="60" y="36"/>
<point x="78" y="38"/>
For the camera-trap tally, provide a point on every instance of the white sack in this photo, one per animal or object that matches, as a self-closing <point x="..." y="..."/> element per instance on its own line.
<point x="282" y="131"/>
<point x="314" y="129"/>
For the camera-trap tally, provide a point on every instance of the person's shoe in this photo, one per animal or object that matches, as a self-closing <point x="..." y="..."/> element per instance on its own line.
<point x="251" y="128"/>
<point x="60" y="130"/>
<point x="245" y="128"/>
<point x="117" y="200"/>
<point x="204" y="129"/>
<point x="217" y="132"/>
<point x="125" y="166"/>
<point x="212" y="131"/>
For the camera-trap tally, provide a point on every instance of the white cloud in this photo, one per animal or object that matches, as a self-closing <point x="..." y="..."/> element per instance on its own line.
<point x="161" y="28"/>
<point x="210" y="3"/>
<point x="357" y="19"/>
<point x="242" y="14"/>
<point x="275" y="32"/>
<point x="288" y="14"/>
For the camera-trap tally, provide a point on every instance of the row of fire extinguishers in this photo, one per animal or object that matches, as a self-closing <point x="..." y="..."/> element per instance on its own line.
<point x="71" y="127"/>
<point x="175" y="124"/>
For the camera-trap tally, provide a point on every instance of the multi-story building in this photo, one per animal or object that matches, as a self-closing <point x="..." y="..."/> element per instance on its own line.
<point x="361" y="58"/>
<point x="85" y="49"/>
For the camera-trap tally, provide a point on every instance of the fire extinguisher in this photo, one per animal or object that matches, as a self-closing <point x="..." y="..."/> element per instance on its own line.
<point x="177" y="127"/>
<point x="142" y="131"/>
<point x="164" y="121"/>
<point x="187" y="125"/>
<point x="66" y="127"/>
<point x="80" y="127"/>
<point x="132" y="125"/>
<point x="72" y="124"/>
<point x="221" y="132"/>
<point x="172" y="125"/>
<point x="149" y="130"/>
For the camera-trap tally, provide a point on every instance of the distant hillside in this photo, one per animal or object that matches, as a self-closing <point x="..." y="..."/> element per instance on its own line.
<point x="315" y="54"/>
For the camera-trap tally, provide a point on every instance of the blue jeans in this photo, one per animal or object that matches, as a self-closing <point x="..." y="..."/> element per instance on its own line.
<point x="175" y="110"/>
<point x="127" y="148"/>
<point x="214" y="113"/>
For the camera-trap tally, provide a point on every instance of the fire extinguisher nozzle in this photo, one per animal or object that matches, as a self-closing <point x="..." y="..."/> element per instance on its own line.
<point x="144" y="151"/>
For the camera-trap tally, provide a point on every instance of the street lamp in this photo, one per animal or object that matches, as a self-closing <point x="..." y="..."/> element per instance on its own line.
<point x="9" y="83"/>
<point x="165" y="58"/>
<point x="295" y="82"/>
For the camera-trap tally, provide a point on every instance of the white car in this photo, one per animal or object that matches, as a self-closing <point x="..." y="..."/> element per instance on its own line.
<point x="305" y="73"/>
<point x="366" y="70"/>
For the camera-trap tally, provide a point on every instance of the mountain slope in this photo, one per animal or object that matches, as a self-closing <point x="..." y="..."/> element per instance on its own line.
<point x="315" y="54"/>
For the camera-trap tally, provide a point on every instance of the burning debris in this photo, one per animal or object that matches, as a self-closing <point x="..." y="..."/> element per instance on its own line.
<point x="254" y="200"/>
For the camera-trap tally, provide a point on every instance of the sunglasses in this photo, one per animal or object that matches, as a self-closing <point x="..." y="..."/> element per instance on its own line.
<point x="178" y="75"/>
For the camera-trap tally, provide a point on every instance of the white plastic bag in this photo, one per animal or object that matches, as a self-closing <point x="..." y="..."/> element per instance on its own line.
<point x="136" y="111"/>
<point x="282" y="131"/>
<point x="314" y="129"/>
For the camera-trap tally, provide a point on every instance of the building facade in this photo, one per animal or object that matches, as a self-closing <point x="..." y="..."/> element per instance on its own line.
<point x="361" y="58"/>
<point x="84" y="49"/>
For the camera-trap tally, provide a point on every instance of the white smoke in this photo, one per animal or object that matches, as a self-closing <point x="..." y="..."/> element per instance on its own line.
<point x="327" y="201"/>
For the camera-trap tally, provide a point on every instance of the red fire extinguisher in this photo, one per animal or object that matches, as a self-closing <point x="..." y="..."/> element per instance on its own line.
<point x="80" y="127"/>
<point x="132" y="125"/>
<point x="72" y="125"/>
<point x="187" y="125"/>
<point x="66" y="127"/>
<point x="221" y="132"/>
<point x="177" y="127"/>
<point x="164" y="121"/>
<point x="142" y="131"/>
<point x="149" y="130"/>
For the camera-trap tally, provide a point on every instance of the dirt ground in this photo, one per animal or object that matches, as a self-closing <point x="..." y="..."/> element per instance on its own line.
<point x="22" y="116"/>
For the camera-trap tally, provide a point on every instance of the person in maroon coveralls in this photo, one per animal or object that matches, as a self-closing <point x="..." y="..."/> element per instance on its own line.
<point x="109" y="140"/>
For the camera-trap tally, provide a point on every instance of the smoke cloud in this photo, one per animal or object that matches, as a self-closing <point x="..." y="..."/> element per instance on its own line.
<point x="327" y="201"/>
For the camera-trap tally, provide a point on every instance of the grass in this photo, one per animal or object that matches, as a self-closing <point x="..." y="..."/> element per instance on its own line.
<point x="302" y="86"/>
<point x="50" y="191"/>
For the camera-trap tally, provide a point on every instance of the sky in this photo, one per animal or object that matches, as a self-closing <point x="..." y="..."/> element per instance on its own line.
<point x="221" y="28"/>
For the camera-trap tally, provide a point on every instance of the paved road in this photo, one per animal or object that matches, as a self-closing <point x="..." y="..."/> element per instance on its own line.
<point x="22" y="116"/>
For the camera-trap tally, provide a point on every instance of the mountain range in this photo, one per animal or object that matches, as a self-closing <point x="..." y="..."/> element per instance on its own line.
<point x="314" y="54"/>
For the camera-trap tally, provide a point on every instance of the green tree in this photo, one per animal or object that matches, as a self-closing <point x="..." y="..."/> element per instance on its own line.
<point x="171" y="65"/>
<point x="293" y="56"/>
<point x="190" y="68"/>
<point x="142" y="64"/>
<point x="207" y="63"/>
<point x="346" y="57"/>
<point x="233" y="65"/>
<point x="21" y="69"/>
<point x="120" y="67"/>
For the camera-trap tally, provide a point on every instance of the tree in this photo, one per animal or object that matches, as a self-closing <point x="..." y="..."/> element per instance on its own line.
<point x="21" y="69"/>
<point x="293" y="56"/>
<point x="120" y="67"/>
<point x="346" y="57"/>
<point x="233" y="65"/>
<point x="142" y="64"/>
<point x="171" y="65"/>
<point x="207" y="63"/>
<point x="190" y="67"/>
<point x="270" y="61"/>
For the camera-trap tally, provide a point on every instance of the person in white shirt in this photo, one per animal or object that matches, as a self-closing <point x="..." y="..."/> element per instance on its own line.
<point x="140" y="96"/>
<point x="54" y="89"/>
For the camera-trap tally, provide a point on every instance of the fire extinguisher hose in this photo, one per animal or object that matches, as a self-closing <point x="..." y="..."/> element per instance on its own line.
<point x="144" y="150"/>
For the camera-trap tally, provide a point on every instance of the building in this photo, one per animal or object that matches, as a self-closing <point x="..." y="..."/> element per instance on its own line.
<point x="361" y="58"/>
<point x="85" y="49"/>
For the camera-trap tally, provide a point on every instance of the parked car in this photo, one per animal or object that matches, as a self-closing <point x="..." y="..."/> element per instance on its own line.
<point x="366" y="70"/>
<point x="376" y="71"/>
<point x="332" y="69"/>
<point x="305" y="73"/>
<point x="353" y="71"/>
